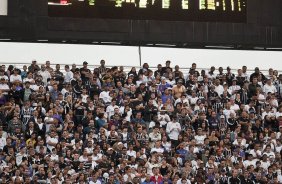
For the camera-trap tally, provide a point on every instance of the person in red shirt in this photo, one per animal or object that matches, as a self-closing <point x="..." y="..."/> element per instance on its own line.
<point x="157" y="177"/>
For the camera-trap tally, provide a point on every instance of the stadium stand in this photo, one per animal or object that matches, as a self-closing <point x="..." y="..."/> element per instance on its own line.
<point x="121" y="124"/>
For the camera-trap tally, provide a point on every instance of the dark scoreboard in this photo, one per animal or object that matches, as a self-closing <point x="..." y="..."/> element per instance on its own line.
<point x="168" y="10"/>
<point x="232" y="24"/>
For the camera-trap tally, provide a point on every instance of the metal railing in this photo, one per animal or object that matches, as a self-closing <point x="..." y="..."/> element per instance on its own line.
<point x="127" y="68"/>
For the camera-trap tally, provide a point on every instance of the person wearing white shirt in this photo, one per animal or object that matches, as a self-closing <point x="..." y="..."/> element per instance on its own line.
<point x="127" y="110"/>
<point x="279" y="113"/>
<point x="218" y="88"/>
<point x="240" y="142"/>
<point x="111" y="108"/>
<point x="96" y="156"/>
<point x="131" y="152"/>
<point x="84" y="156"/>
<point x="21" y="155"/>
<point x="265" y="162"/>
<point x="45" y="74"/>
<point x="16" y="77"/>
<point x="269" y="87"/>
<point x="163" y="118"/>
<point x="29" y="78"/>
<point x="2" y="142"/>
<point x="234" y="107"/>
<point x="279" y="176"/>
<point x="256" y="152"/>
<point x="54" y="156"/>
<point x="173" y="129"/>
<point x="234" y="88"/>
<point x="4" y="87"/>
<point x="227" y="111"/>
<point x="267" y="112"/>
<point x="200" y="137"/>
<point x="184" y="100"/>
<point x="2" y="76"/>
<point x="51" y="141"/>
<point x="105" y="95"/>
<point x="128" y="176"/>
<point x="157" y="148"/>
<point x="68" y="74"/>
<point x="166" y="144"/>
<point x="278" y="146"/>
<point x="3" y="133"/>
<point x="183" y="181"/>
<point x="95" y="180"/>
<point x="155" y="135"/>
<point x="250" y="161"/>
<point x="211" y="74"/>
<point x="268" y="151"/>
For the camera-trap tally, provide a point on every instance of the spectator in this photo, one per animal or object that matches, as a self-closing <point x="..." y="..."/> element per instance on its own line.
<point x="109" y="126"/>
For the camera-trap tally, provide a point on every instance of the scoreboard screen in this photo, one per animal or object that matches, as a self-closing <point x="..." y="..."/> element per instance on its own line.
<point x="175" y="10"/>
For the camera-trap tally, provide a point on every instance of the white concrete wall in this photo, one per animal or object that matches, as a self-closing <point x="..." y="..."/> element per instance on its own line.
<point x="128" y="56"/>
<point x="3" y="7"/>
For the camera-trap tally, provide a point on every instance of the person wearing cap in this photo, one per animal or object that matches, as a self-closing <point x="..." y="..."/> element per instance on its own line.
<point x="163" y="85"/>
<point x="234" y="88"/>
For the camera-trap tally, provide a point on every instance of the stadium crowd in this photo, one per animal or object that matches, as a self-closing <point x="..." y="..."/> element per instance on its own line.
<point x="145" y="126"/>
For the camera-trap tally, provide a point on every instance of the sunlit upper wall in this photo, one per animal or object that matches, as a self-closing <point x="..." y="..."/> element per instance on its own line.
<point x="3" y="7"/>
<point x="129" y="56"/>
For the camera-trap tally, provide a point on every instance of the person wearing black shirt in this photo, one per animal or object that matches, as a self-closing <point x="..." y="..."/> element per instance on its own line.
<point x="149" y="111"/>
<point x="229" y="76"/>
<point x="240" y="78"/>
<point x="234" y="179"/>
<point x="271" y="175"/>
<point x="58" y="75"/>
<point x="220" y="74"/>
<point x="144" y="69"/>
<point x="253" y="87"/>
<point x="16" y="94"/>
<point x="85" y="73"/>
<point x="141" y="90"/>
<point x="256" y="75"/>
<point x="93" y="88"/>
<point x="245" y="178"/>
<point x="167" y="67"/>
<point x="212" y="95"/>
<point x="232" y="122"/>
